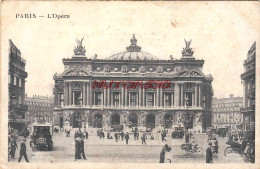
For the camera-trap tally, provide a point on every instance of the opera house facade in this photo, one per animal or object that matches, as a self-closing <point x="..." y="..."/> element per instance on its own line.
<point x="133" y="89"/>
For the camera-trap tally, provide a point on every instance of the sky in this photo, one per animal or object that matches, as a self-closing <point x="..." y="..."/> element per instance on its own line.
<point x="221" y="33"/>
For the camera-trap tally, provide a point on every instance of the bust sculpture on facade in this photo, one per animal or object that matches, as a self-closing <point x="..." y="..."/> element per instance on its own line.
<point x="79" y="50"/>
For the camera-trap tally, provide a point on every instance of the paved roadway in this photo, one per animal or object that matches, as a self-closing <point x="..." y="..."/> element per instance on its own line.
<point x="99" y="150"/>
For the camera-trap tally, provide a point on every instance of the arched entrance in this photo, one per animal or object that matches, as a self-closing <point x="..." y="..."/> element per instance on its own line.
<point x="76" y="120"/>
<point x="133" y="119"/>
<point x="115" y="119"/>
<point x="151" y="121"/>
<point x="168" y="121"/>
<point x="97" y="121"/>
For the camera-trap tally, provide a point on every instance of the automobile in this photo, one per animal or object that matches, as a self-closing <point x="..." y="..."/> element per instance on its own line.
<point x="178" y="132"/>
<point x="41" y="136"/>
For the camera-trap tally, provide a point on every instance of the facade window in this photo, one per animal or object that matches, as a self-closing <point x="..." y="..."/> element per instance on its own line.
<point x="167" y="99"/>
<point x="77" y="100"/>
<point x="20" y="82"/>
<point x="116" y="99"/>
<point x="150" y="99"/>
<point x="61" y="101"/>
<point x="98" y="98"/>
<point x="133" y="99"/>
<point x="14" y="80"/>
<point x="189" y="99"/>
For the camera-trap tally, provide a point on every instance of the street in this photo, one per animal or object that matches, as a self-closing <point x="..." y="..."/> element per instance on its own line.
<point x="104" y="150"/>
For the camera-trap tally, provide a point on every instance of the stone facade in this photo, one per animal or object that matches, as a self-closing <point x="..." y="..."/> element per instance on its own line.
<point x="226" y="112"/>
<point x="248" y="78"/>
<point x="110" y="93"/>
<point x="16" y="85"/>
<point x="40" y="108"/>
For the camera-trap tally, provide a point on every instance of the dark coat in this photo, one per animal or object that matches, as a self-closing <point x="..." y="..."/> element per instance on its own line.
<point x="22" y="148"/>
<point x="162" y="156"/>
<point x="209" y="156"/>
<point x="127" y="136"/>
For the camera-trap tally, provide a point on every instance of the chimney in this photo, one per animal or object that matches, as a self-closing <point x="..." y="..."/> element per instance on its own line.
<point x="231" y="95"/>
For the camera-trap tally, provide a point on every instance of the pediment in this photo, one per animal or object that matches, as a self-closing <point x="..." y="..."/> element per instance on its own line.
<point x="190" y="73"/>
<point x="76" y="72"/>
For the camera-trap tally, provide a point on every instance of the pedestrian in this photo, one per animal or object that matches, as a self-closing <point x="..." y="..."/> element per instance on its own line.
<point x="187" y="138"/>
<point x="163" y="135"/>
<point x="82" y="152"/>
<point x="23" y="151"/>
<point x="108" y="134"/>
<point x="103" y="134"/>
<point x="209" y="154"/>
<point x="13" y="148"/>
<point x="116" y="136"/>
<point x="86" y="134"/>
<point x="77" y="149"/>
<point x="76" y="135"/>
<point x="122" y="135"/>
<point x="126" y="137"/>
<point x="168" y="154"/>
<point x="162" y="155"/>
<point x="143" y="139"/>
<point x="135" y="135"/>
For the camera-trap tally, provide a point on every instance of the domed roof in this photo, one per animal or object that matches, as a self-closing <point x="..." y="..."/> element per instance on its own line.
<point x="133" y="52"/>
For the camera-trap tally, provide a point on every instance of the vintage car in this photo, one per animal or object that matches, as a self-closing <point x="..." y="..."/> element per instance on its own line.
<point x="178" y="132"/>
<point x="41" y="136"/>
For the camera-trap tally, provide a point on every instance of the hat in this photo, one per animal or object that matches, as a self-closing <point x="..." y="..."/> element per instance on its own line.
<point x="210" y="143"/>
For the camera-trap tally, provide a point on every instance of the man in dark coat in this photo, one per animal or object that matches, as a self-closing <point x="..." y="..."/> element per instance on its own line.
<point x="23" y="151"/>
<point x="126" y="137"/>
<point x="143" y="138"/>
<point x="86" y="133"/>
<point x="162" y="155"/>
<point x="82" y="152"/>
<point x="13" y="148"/>
<point x="116" y="136"/>
<point x="209" y="154"/>
<point x="122" y="135"/>
<point x="77" y="149"/>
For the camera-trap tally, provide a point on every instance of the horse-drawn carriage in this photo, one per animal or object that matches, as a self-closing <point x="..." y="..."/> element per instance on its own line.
<point x="234" y="147"/>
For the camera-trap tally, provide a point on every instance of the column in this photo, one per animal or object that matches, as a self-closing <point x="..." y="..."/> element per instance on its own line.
<point x="105" y="97"/>
<point x="193" y="97"/>
<point x="108" y="97"/>
<point x="70" y="94"/>
<point x="136" y="99"/>
<point x="196" y="95"/>
<point x="181" y="86"/>
<point x="172" y="98"/>
<point x="58" y="99"/>
<point x="112" y="99"/>
<point x="87" y="96"/>
<point x="123" y="96"/>
<point x="65" y="94"/>
<point x="126" y="98"/>
<point x="84" y="94"/>
<point x="176" y="95"/>
<point x="90" y="94"/>
<point x="157" y="97"/>
<point x="129" y="98"/>
<point x="161" y="97"/>
<point x="199" y="96"/>
<point x="144" y="102"/>
<point x="154" y="99"/>
<point x="73" y="98"/>
<point x="140" y="97"/>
